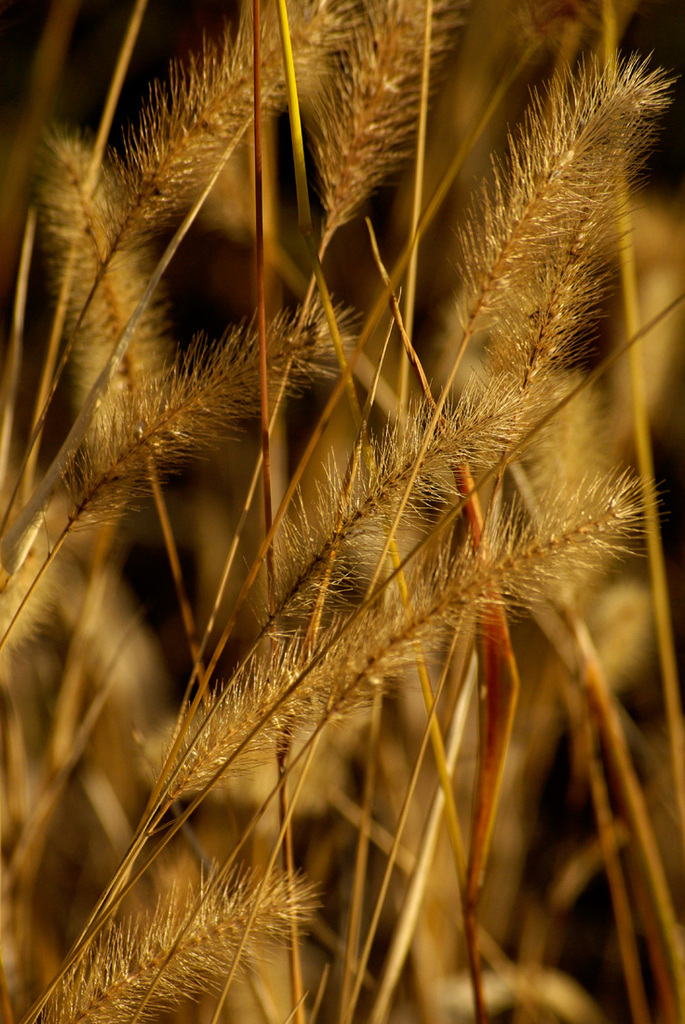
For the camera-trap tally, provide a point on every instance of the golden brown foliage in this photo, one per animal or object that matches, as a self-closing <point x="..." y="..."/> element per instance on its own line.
<point x="164" y="746"/>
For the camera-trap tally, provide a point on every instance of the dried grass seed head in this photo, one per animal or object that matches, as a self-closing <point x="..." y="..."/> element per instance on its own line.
<point x="203" y="928"/>
<point x="191" y="123"/>
<point x="75" y="225"/>
<point x="365" y="122"/>
<point x="556" y="193"/>
<point x="161" y="420"/>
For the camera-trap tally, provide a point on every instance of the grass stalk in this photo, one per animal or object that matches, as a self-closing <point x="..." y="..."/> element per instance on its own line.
<point x="406" y="924"/>
<point x="361" y="859"/>
<point x="657" y="566"/>
<point x="176" y="569"/>
<point x="383" y="888"/>
<point x="619" y="894"/>
<point x="10" y="377"/>
<point x="645" y="461"/>
<point x="417" y="203"/>
<point x="663" y="944"/>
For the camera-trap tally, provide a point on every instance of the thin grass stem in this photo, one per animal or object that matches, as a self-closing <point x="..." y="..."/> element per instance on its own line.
<point x="12" y="367"/>
<point x="417" y="203"/>
<point x="657" y="567"/>
<point x="624" y="924"/>
<point x="383" y="889"/>
<point x="420" y="879"/>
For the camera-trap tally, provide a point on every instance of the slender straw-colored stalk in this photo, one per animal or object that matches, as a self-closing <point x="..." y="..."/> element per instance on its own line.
<point x="663" y="944"/>
<point x="285" y="825"/>
<point x="606" y="830"/>
<point x="175" y="566"/>
<point x="390" y="864"/>
<point x="124" y="54"/>
<point x="420" y="879"/>
<point x="417" y="202"/>
<point x="305" y="223"/>
<point x="261" y="298"/>
<point x="645" y="460"/>
<point x="54" y="550"/>
<point x="282" y="751"/>
<point x="323" y="981"/>
<point x="10" y="376"/>
<point x="48" y="383"/>
<point x="657" y="566"/>
<point x="361" y="859"/>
